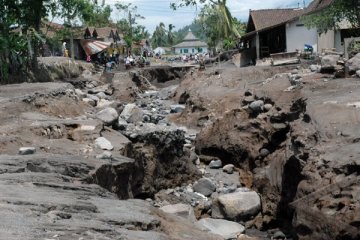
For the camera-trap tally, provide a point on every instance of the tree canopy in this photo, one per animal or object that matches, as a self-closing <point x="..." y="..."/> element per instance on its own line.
<point x="330" y="17"/>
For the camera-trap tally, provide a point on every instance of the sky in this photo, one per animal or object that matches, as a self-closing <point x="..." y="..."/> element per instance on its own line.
<point x="156" y="11"/>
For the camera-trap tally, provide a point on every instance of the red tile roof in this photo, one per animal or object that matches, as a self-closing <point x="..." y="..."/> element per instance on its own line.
<point x="265" y="18"/>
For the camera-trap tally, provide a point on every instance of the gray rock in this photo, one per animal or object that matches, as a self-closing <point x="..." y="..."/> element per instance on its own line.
<point x="236" y="206"/>
<point x="215" y="164"/>
<point x="103" y="143"/>
<point x="89" y="101"/>
<point x="267" y="107"/>
<point x="257" y="106"/>
<point x="229" y="168"/>
<point x="315" y="68"/>
<point x="102" y="95"/>
<point x="181" y="210"/>
<point x="295" y="79"/>
<point x="93" y="97"/>
<point x="128" y="110"/>
<point x="27" y="150"/>
<point x="358" y="73"/>
<point x="329" y="62"/>
<point x="103" y="103"/>
<point x="279" y="235"/>
<point x="224" y="228"/>
<point x="104" y="155"/>
<point x="80" y="93"/>
<point x="204" y="186"/>
<point x="121" y="124"/>
<point x="194" y="157"/>
<point x="177" y="108"/>
<point x="108" y="115"/>
<point x="106" y="88"/>
<point x="264" y="152"/>
<point x="353" y="64"/>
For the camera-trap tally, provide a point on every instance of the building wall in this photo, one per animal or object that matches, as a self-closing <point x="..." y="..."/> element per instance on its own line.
<point x="297" y="35"/>
<point x="189" y="50"/>
<point x="327" y="40"/>
<point x="338" y="44"/>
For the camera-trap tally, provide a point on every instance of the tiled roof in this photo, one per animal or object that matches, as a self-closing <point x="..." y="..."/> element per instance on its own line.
<point x="190" y="37"/>
<point x="196" y="43"/>
<point x="265" y="18"/>
<point x="318" y="5"/>
<point x="190" y="41"/>
<point x="103" y="32"/>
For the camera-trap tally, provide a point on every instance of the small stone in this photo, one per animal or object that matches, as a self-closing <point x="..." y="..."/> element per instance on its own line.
<point x="89" y="101"/>
<point x="267" y="107"/>
<point x="229" y="168"/>
<point x="104" y="155"/>
<point x="215" y="164"/>
<point x="204" y="186"/>
<point x="103" y="143"/>
<point x="27" y="150"/>
<point x="181" y="210"/>
<point x="224" y="228"/>
<point x="315" y="68"/>
<point x="193" y="157"/>
<point x="177" y="108"/>
<point x="279" y="235"/>
<point x="358" y="73"/>
<point x="257" y="106"/>
<point x="264" y="152"/>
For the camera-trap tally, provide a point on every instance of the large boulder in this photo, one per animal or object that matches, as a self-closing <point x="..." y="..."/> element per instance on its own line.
<point x="239" y="205"/>
<point x="353" y="64"/>
<point x="329" y="62"/>
<point x="132" y="113"/>
<point x="204" y="186"/>
<point x="108" y="115"/>
<point x="224" y="228"/>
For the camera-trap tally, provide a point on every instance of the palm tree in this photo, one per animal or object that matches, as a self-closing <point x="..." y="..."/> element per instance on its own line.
<point x="159" y="34"/>
<point x="226" y="19"/>
<point x="171" y="35"/>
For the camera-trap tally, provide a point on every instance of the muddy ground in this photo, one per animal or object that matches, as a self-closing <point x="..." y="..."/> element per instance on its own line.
<point x="294" y="145"/>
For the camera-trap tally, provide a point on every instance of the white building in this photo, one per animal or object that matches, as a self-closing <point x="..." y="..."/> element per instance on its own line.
<point x="190" y="45"/>
<point x="271" y="31"/>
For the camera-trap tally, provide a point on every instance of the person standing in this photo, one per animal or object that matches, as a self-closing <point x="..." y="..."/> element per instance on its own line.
<point x="64" y="49"/>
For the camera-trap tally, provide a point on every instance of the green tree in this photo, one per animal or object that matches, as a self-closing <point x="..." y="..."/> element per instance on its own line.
<point x="128" y="24"/>
<point x="94" y="14"/>
<point x="31" y="13"/>
<point x="170" y="35"/>
<point x="330" y="17"/>
<point x="69" y="11"/>
<point x="159" y="36"/>
<point x="220" y="7"/>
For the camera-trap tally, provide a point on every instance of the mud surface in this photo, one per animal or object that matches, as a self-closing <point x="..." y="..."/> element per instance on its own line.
<point x="274" y="150"/>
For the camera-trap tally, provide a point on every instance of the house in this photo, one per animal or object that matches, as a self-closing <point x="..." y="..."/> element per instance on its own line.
<point x="162" y="50"/>
<point x="190" y="45"/>
<point x="271" y="31"/>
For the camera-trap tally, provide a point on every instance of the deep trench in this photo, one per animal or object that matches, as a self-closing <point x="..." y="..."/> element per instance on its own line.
<point x="127" y="180"/>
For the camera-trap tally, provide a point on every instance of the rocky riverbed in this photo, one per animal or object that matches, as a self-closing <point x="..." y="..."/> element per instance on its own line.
<point x="177" y="153"/>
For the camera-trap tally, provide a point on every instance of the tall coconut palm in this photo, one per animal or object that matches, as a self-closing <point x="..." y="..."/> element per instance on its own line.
<point x="220" y="5"/>
<point x="159" y="34"/>
<point x="171" y="35"/>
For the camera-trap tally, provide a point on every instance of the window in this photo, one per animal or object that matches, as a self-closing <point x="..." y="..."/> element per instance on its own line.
<point x="186" y="50"/>
<point x="193" y="50"/>
<point x="300" y="25"/>
<point x="200" y="50"/>
<point x="180" y="50"/>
